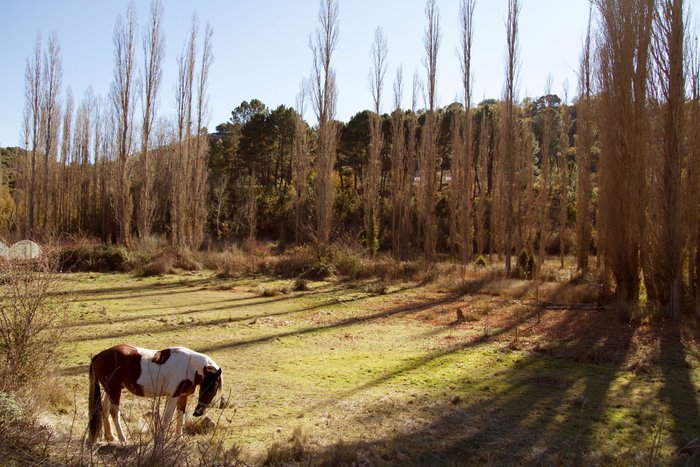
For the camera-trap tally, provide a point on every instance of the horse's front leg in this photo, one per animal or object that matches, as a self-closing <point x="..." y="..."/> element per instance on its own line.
<point x="168" y="412"/>
<point x="181" y="414"/>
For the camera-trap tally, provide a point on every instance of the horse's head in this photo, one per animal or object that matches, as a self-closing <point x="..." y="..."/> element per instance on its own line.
<point x="211" y="382"/>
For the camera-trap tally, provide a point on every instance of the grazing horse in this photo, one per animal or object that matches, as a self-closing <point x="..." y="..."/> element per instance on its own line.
<point x="173" y="373"/>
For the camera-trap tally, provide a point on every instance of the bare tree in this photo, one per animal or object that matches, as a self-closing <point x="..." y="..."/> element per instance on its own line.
<point x="323" y="99"/>
<point x="563" y="172"/>
<point x="32" y="132"/>
<point x="525" y="217"/>
<point x="482" y="165"/>
<point x="189" y="183"/>
<point x="181" y="165"/>
<point x="122" y="94"/>
<point x="463" y="159"/>
<point x="692" y="199"/>
<point x="545" y="176"/>
<point x="65" y="183"/>
<point x="398" y="168"/>
<point x="429" y="135"/>
<point x="512" y="64"/>
<point x="584" y="143"/>
<point x="300" y="162"/>
<point x="376" y="142"/>
<point x="53" y="75"/>
<point x="200" y="174"/>
<point x="153" y="55"/>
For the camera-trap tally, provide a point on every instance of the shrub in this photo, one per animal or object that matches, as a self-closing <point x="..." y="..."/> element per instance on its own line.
<point x="526" y="263"/>
<point x="10" y="410"/>
<point x="33" y="318"/>
<point x="293" y="451"/>
<point x="231" y="263"/>
<point x="296" y="262"/>
<point x="23" y="440"/>
<point x="480" y="262"/>
<point x="96" y="258"/>
<point x="156" y="267"/>
<point x="300" y="285"/>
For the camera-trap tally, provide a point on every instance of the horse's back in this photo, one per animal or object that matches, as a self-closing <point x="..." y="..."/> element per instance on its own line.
<point x="170" y="370"/>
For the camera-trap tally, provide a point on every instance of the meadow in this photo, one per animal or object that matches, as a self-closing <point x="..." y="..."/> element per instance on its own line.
<point x="481" y="370"/>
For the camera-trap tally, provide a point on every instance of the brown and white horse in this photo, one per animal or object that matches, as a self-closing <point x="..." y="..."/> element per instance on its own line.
<point x="173" y="373"/>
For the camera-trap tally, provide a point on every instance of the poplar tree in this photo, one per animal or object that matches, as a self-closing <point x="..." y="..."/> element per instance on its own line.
<point x="32" y="134"/>
<point x="429" y="134"/>
<point x="53" y="76"/>
<point x="300" y="163"/>
<point x="463" y="178"/>
<point x="122" y="95"/>
<point x="545" y="179"/>
<point x="323" y="98"/>
<point x="584" y="142"/>
<point x="509" y="123"/>
<point x="153" y="55"/>
<point x="376" y="142"/>
<point x="667" y="52"/>
<point x="399" y="175"/>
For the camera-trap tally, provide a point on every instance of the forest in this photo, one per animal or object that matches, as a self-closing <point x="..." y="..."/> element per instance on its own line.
<point x="540" y="176"/>
<point x="605" y="178"/>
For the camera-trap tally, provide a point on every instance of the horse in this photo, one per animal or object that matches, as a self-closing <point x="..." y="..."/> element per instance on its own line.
<point x="173" y="373"/>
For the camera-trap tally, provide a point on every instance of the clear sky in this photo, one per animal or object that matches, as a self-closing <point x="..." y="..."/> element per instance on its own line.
<point x="261" y="49"/>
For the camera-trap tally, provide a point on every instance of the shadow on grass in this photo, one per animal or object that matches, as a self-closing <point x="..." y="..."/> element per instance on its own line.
<point x="679" y="391"/>
<point x="234" y="304"/>
<point x="544" y="410"/>
<point x="78" y="369"/>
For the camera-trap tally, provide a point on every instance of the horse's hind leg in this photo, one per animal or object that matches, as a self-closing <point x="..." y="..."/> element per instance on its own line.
<point x="116" y="416"/>
<point x="106" y="409"/>
<point x="114" y="396"/>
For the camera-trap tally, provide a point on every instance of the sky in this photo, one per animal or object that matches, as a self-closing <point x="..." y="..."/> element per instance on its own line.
<point x="261" y="49"/>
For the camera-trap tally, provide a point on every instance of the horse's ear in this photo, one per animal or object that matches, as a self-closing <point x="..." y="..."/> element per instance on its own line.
<point x="218" y="373"/>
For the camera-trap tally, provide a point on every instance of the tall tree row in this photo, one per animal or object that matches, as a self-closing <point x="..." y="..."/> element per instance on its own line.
<point x="189" y="186"/>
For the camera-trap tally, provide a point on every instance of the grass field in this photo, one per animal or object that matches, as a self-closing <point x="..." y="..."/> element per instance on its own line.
<point x="386" y="373"/>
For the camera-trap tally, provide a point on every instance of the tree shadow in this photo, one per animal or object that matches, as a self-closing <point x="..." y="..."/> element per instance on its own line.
<point x="504" y="426"/>
<point x="679" y="390"/>
<point x="234" y="304"/>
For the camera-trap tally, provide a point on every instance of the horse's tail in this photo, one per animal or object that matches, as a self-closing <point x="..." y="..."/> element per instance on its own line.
<point x="94" y="407"/>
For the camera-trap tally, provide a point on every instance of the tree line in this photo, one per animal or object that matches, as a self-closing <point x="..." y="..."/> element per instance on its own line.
<point x="614" y="175"/>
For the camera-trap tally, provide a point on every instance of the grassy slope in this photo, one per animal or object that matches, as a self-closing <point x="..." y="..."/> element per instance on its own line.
<point x="393" y="376"/>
